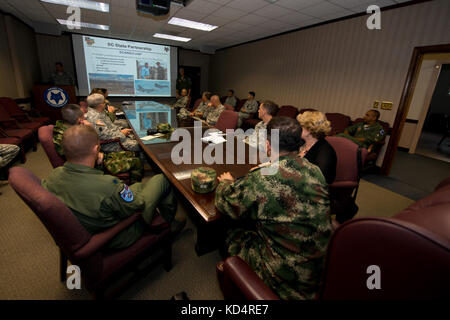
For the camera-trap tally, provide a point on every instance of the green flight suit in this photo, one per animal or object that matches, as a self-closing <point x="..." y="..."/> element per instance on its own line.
<point x="371" y="134"/>
<point x="101" y="201"/>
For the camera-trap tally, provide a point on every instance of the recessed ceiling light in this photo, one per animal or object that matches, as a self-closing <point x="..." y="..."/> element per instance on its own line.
<point x="168" y="36"/>
<point x="83" y="24"/>
<point x="191" y="24"/>
<point x="85" y="4"/>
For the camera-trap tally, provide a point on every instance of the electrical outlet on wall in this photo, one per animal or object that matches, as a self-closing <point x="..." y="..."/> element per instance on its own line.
<point x="386" y="105"/>
<point x="376" y="104"/>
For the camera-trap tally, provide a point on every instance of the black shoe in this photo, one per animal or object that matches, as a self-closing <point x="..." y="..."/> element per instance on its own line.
<point x="180" y="296"/>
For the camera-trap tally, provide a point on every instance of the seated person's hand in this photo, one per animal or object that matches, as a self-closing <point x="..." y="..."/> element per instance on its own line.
<point x="100" y="157"/>
<point x="87" y="123"/>
<point x="210" y="104"/>
<point x="126" y="131"/>
<point x="111" y="109"/>
<point x="226" y="176"/>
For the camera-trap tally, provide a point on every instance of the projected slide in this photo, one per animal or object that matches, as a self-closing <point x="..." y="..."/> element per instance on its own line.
<point x="127" y="68"/>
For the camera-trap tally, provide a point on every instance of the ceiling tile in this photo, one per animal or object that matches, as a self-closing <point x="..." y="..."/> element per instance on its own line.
<point x="321" y="9"/>
<point x="203" y="6"/>
<point x="253" y="19"/>
<point x="247" y="5"/>
<point x="214" y="20"/>
<point x="294" y="18"/>
<point x="297" y="4"/>
<point x="190" y="14"/>
<point x="272" y="11"/>
<point x="229" y="13"/>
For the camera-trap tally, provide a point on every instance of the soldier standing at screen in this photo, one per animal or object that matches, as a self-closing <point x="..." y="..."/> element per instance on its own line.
<point x="183" y="83"/>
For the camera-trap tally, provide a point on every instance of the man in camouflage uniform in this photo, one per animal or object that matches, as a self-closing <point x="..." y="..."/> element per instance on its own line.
<point x="100" y="201"/>
<point x="214" y="110"/>
<point x="203" y="106"/>
<point x="113" y="162"/>
<point x="266" y="111"/>
<point x="287" y="217"/>
<point x="7" y="153"/>
<point x="367" y="132"/>
<point x="110" y="110"/>
<point x="231" y="99"/>
<point x="106" y="129"/>
<point x="181" y="104"/>
<point x="250" y="106"/>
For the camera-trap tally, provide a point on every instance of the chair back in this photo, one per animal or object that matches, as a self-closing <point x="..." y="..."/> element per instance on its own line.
<point x="188" y="104"/>
<point x="228" y="107"/>
<point x="239" y="104"/>
<point x="411" y="261"/>
<point x="4" y="115"/>
<point x="287" y="111"/>
<point x="339" y="122"/>
<point x="227" y="120"/>
<point x="10" y="106"/>
<point x="197" y="103"/>
<point x="57" y="218"/>
<point x="45" y="135"/>
<point x="306" y="109"/>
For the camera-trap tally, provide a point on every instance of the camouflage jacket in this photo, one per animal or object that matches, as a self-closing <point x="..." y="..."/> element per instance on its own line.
<point x="181" y="103"/>
<point x="58" y="131"/>
<point x="212" y="114"/>
<point x="371" y="134"/>
<point x="249" y="106"/>
<point x="231" y="101"/>
<point x="290" y="225"/>
<point x="202" y="107"/>
<point x="107" y="130"/>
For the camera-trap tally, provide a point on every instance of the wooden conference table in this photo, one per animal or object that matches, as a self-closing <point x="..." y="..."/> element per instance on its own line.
<point x="203" y="212"/>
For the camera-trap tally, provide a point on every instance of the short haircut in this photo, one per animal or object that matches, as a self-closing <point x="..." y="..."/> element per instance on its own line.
<point x="271" y="107"/>
<point x="231" y="90"/>
<point x="59" y="64"/>
<point x="78" y="141"/>
<point x="207" y="94"/>
<point x="216" y="96"/>
<point x="71" y="113"/>
<point x="315" y="122"/>
<point x="377" y="113"/>
<point x="95" y="99"/>
<point x="252" y="93"/>
<point x="290" y="133"/>
<point x="96" y="90"/>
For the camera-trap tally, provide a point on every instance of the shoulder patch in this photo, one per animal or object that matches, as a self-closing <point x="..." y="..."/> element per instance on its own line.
<point x="381" y="132"/>
<point x="100" y="123"/>
<point x="126" y="194"/>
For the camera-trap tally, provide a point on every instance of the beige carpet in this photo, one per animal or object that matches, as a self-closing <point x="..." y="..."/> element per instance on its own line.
<point x="29" y="257"/>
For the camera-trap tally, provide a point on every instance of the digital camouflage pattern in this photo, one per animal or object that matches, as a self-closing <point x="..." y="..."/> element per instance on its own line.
<point x="291" y="226"/>
<point x="181" y="102"/>
<point x="114" y="162"/>
<point x="7" y="153"/>
<point x="371" y="134"/>
<point x="202" y="107"/>
<point x="203" y="179"/>
<point x="248" y="108"/>
<point x="107" y="130"/>
<point x="212" y="114"/>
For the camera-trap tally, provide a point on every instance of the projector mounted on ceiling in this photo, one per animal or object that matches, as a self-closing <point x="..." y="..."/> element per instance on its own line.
<point x="158" y="7"/>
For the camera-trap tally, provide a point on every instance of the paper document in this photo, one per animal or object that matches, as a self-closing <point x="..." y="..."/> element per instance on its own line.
<point x="214" y="139"/>
<point x="153" y="136"/>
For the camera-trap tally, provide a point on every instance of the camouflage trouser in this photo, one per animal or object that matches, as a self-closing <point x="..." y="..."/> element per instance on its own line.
<point x="183" y="113"/>
<point x="7" y="153"/>
<point x="242" y="117"/>
<point x="128" y="143"/>
<point x="123" y="161"/>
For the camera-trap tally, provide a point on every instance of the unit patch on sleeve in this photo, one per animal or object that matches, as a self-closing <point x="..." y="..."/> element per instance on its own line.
<point x="126" y="194"/>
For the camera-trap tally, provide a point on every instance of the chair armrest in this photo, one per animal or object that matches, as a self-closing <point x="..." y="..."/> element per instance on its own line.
<point x="344" y="184"/>
<point x="3" y="133"/>
<point x="22" y="117"/>
<point x="115" y="140"/>
<point x="98" y="240"/>
<point x="247" y="280"/>
<point x="9" y="124"/>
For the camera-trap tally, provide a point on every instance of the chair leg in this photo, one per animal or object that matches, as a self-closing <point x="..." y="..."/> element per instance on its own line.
<point x="34" y="143"/>
<point x="167" y="256"/>
<point x="62" y="266"/>
<point x="23" y="157"/>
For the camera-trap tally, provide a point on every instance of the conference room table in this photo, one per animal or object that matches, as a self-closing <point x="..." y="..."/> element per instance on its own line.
<point x="201" y="208"/>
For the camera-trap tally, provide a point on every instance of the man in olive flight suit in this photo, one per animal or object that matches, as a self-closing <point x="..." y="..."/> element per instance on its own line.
<point x="367" y="132"/>
<point x="101" y="201"/>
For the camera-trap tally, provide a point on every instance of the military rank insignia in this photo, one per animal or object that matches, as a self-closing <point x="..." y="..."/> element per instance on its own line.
<point x="100" y="123"/>
<point x="126" y="194"/>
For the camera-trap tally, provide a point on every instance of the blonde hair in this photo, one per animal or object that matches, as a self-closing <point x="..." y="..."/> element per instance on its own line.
<point x="315" y="122"/>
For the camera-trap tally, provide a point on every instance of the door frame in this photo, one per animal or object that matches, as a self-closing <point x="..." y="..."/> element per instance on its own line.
<point x="426" y="107"/>
<point x="405" y="101"/>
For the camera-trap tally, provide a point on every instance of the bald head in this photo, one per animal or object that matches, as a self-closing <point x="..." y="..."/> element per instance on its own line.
<point x="215" y="100"/>
<point x="79" y="143"/>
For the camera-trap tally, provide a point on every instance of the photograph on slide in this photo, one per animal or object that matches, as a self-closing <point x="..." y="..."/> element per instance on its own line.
<point x="151" y="70"/>
<point x="116" y="83"/>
